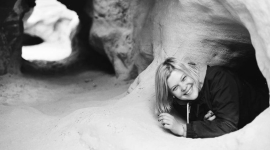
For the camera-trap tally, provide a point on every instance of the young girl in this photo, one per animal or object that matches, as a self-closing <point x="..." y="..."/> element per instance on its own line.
<point x="214" y="101"/>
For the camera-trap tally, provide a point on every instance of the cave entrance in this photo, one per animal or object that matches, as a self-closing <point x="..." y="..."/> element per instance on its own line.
<point x="85" y="58"/>
<point x="57" y="42"/>
<point x="217" y="40"/>
<point x="35" y="49"/>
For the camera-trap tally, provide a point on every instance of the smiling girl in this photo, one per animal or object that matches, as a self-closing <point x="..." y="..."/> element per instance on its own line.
<point x="215" y="100"/>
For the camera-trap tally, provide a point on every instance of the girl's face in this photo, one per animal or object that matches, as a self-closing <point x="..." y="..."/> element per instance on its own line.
<point x="182" y="86"/>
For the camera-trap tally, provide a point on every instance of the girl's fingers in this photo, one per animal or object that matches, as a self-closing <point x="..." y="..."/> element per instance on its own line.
<point x="166" y="121"/>
<point x="209" y="114"/>
<point x="164" y="114"/>
<point x="212" y="118"/>
<point x="167" y="126"/>
<point x="164" y="117"/>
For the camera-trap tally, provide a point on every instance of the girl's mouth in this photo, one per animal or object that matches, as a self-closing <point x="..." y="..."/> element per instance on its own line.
<point x="189" y="90"/>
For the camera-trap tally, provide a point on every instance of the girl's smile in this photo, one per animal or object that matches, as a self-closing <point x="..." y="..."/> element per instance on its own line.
<point x="182" y="86"/>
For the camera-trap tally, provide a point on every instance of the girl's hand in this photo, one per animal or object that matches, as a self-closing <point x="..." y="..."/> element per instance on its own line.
<point x="169" y="122"/>
<point x="210" y="116"/>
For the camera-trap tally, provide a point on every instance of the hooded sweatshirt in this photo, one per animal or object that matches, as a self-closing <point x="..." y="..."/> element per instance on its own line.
<point x="233" y="101"/>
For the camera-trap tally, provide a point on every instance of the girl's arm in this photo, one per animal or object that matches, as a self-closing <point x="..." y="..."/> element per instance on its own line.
<point x="225" y="105"/>
<point x="173" y="123"/>
<point x="205" y="129"/>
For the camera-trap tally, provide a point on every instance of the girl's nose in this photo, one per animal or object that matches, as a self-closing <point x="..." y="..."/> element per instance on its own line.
<point x="183" y="87"/>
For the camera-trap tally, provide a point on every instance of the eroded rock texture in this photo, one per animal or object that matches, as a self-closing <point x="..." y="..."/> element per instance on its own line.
<point x="111" y="33"/>
<point x="128" y="32"/>
<point x="254" y="15"/>
<point x="203" y="32"/>
<point x="11" y="34"/>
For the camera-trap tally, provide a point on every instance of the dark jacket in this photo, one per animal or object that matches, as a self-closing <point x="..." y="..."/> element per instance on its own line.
<point x="233" y="101"/>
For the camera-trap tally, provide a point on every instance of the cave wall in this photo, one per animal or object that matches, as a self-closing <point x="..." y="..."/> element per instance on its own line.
<point x="201" y="31"/>
<point x="132" y="33"/>
<point x="111" y="33"/>
<point x="182" y="39"/>
<point x="11" y="30"/>
<point x="208" y="33"/>
<point x="254" y="15"/>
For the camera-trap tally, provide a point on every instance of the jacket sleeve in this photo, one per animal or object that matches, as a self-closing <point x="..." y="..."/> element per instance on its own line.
<point x="224" y="98"/>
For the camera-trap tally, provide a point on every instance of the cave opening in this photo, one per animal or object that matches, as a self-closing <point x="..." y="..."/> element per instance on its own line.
<point x="223" y="40"/>
<point x="39" y="57"/>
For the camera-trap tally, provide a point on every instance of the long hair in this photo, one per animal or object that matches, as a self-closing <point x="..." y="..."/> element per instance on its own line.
<point x="164" y="98"/>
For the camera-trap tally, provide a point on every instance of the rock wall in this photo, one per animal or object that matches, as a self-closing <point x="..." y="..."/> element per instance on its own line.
<point x="208" y="32"/>
<point x="204" y="31"/>
<point x="131" y="33"/>
<point x="11" y="34"/>
<point x="254" y="15"/>
<point x="201" y="31"/>
<point x="111" y="33"/>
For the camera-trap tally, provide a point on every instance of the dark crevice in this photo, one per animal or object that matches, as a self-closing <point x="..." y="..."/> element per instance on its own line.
<point x="29" y="40"/>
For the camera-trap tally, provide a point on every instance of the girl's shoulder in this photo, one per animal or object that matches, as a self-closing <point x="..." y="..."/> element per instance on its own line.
<point x="218" y="70"/>
<point x="220" y="73"/>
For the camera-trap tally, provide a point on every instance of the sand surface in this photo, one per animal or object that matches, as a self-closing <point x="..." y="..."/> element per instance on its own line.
<point x="94" y="111"/>
<point x="31" y="107"/>
<point x="89" y="110"/>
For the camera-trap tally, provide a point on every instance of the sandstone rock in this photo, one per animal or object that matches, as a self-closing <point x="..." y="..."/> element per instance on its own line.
<point x="213" y="33"/>
<point x="255" y="17"/>
<point x="128" y="32"/>
<point x="207" y="32"/>
<point x="10" y="35"/>
<point x="111" y="34"/>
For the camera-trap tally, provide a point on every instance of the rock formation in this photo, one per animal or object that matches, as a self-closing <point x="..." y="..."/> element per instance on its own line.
<point x="11" y="34"/>
<point x="111" y="33"/>
<point x="207" y="32"/>
<point x="55" y="27"/>
<point x="129" y="32"/>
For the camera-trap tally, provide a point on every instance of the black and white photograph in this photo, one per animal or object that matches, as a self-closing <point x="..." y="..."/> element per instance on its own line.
<point x="134" y="74"/>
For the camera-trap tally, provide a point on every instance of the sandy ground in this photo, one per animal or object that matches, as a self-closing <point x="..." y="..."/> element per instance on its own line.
<point x="95" y="111"/>
<point x="91" y="110"/>
<point x="30" y="107"/>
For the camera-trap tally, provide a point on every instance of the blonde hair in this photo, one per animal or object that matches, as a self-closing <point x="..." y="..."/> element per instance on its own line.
<point x="164" y="98"/>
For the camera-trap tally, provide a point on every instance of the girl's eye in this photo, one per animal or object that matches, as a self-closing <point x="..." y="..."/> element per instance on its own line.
<point x="174" y="89"/>
<point x="184" y="78"/>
